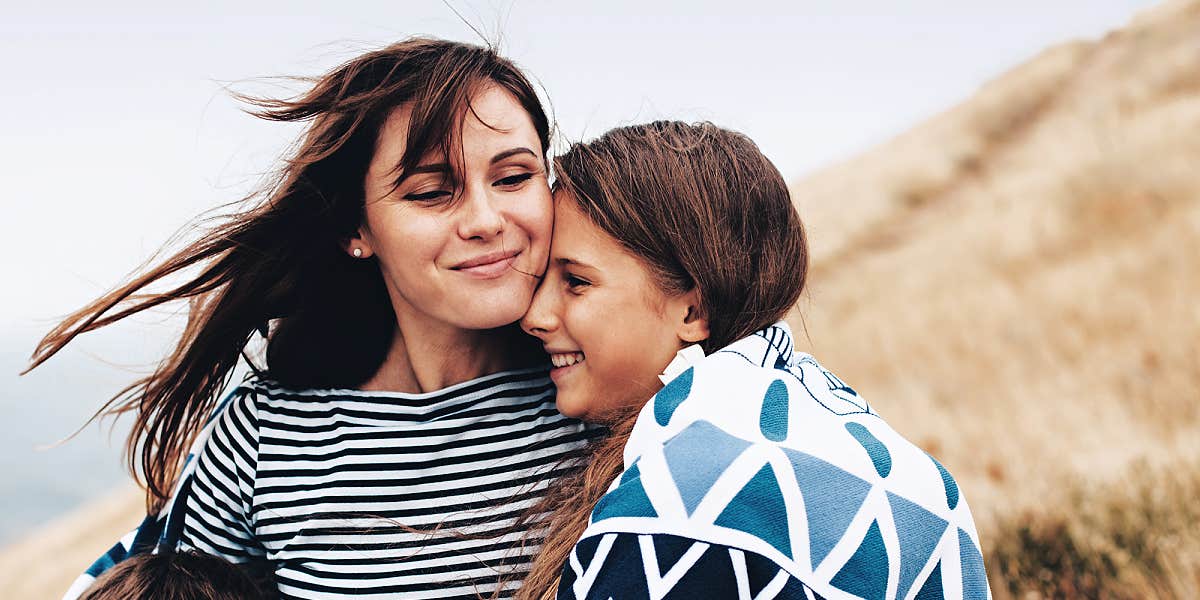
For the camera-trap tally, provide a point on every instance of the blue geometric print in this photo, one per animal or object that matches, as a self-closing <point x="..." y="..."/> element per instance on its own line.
<point x="829" y="391"/>
<point x="758" y="509"/>
<point x="974" y="583"/>
<point x="628" y="499"/>
<point x="875" y="449"/>
<point x="919" y="531"/>
<point x="708" y="571"/>
<point x="631" y="473"/>
<point x="671" y="396"/>
<point x="949" y="483"/>
<point x="932" y="589"/>
<point x="694" y="478"/>
<point x="866" y="573"/>
<point x="871" y="530"/>
<point x="831" y="497"/>
<point x="773" y="419"/>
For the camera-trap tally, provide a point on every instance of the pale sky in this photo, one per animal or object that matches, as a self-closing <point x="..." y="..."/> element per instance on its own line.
<point x="116" y="130"/>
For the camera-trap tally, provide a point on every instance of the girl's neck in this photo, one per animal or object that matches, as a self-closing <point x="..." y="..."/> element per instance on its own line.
<point x="426" y="357"/>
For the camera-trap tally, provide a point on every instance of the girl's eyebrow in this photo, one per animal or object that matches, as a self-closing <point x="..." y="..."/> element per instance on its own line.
<point x="565" y="261"/>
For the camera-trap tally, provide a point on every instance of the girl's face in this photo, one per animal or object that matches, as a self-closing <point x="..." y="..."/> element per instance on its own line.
<point x="466" y="262"/>
<point x="607" y="326"/>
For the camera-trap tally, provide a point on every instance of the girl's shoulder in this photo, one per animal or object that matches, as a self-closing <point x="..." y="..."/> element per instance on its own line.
<point x="759" y="394"/>
<point x="756" y="444"/>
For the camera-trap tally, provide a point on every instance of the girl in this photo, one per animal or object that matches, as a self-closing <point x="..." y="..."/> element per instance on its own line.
<point x="754" y="472"/>
<point x="401" y="422"/>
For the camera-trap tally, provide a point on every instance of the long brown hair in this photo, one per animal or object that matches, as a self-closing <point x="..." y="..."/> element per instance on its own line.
<point x="278" y="267"/>
<point x="703" y="209"/>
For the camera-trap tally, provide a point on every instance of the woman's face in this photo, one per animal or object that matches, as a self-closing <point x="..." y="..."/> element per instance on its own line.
<point x="608" y="327"/>
<point x="466" y="261"/>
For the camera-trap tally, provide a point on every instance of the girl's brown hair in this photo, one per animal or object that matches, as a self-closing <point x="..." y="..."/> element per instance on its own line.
<point x="279" y="268"/>
<point x="703" y="209"/>
<point x="187" y="575"/>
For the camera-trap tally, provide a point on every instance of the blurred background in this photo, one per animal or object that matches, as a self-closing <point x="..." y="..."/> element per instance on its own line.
<point x="1003" y="202"/>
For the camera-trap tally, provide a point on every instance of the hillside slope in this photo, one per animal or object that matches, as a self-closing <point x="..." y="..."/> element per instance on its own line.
<point x="1014" y="282"/>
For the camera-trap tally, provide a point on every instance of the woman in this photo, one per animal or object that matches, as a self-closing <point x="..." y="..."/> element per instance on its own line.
<point x="754" y="472"/>
<point x="401" y="421"/>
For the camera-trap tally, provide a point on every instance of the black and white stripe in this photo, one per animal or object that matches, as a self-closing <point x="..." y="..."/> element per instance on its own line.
<point x="329" y="485"/>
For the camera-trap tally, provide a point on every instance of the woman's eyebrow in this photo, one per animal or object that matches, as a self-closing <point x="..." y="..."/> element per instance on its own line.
<point x="419" y="169"/>
<point x="445" y="168"/>
<point x="511" y="152"/>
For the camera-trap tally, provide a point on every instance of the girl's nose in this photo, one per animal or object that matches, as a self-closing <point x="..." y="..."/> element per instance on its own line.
<point x="542" y="319"/>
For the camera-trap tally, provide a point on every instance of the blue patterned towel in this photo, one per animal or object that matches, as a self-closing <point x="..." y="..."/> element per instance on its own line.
<point x="758" y="474"/>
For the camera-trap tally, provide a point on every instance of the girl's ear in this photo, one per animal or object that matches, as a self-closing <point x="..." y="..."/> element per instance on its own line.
<point x="357" y="245"/>
<point x="692" y="327"/>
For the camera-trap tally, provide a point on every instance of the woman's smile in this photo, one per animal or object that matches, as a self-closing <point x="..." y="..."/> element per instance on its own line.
<point x="488" y="266"/>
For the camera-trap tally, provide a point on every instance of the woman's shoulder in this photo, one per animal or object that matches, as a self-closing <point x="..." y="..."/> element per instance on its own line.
<point x="510" y="386"/>
<point x="532" y="376"/>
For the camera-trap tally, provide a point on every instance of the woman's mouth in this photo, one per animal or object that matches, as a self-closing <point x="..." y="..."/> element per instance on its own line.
<point x="488" y="266"/>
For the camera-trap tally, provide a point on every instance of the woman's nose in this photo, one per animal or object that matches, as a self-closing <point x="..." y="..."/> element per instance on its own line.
<point x="480" y="217"/>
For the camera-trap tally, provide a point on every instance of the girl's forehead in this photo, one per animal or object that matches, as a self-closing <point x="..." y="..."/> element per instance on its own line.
<point x="579" y="241"/>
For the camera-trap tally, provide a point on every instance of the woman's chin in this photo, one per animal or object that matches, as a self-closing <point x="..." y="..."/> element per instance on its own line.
<point x="491" y="317"/>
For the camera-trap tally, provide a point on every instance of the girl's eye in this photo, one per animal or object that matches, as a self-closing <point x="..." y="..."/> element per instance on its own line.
<point x="427" y="196"/>
<point x="575" y="283"/>
<point x="514" y="180"/>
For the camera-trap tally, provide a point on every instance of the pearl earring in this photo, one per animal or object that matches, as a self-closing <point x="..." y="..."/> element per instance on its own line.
<point x="357" y="253"/>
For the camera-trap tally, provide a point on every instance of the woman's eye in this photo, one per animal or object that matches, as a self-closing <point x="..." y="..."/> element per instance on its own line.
<point x="427" y="196"/>
<point x="514" y="180"/>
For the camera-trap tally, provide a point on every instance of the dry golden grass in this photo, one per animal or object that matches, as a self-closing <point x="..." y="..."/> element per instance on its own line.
<point x="1014" y="285"/>
<point x="46" y="562"/>
<point x="1137" y="539"/>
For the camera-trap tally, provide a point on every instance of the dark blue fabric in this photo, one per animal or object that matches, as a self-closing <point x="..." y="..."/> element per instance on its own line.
<point x="622" y="574"/>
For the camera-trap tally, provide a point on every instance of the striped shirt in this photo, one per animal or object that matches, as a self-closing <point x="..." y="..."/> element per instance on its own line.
<point x="380" y="494"/>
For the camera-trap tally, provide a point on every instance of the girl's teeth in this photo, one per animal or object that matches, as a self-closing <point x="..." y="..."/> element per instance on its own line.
<point x="566" y="359"/>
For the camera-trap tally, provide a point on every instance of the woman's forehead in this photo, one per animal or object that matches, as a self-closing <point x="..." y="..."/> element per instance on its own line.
<point x="493" y="122"/>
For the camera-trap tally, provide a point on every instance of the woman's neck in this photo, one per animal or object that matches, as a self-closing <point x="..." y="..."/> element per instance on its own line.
<point x="426" y="357"/>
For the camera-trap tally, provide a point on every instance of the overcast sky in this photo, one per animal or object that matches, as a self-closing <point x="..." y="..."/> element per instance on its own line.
<point x="116" y="129"/>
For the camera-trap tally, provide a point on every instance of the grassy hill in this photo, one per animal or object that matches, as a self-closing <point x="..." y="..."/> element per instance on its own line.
<point x="1014" y="284"/>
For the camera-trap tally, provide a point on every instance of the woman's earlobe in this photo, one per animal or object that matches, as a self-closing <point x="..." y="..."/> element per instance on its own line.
<point x="356" y="245"/>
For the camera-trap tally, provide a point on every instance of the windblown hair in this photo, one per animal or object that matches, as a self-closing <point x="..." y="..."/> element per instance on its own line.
<point x="279" y="267"/>
<point x="702" y="208"/>
<point x="181" y="576"/>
